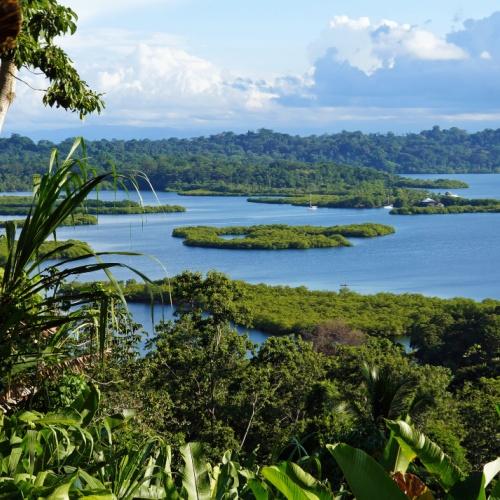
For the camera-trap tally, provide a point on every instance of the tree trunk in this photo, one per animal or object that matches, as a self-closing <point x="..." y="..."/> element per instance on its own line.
<point x="8" y="71"/>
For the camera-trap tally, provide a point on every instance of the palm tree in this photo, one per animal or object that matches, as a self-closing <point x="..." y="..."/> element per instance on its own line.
<point x="389" y="396"/>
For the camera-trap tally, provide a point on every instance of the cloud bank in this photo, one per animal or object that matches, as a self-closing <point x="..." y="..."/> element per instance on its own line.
<point x="393" y="65"/>
<point x="363" y="72"/>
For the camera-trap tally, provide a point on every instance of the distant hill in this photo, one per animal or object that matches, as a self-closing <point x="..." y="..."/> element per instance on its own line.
<point x="258" y="157"/>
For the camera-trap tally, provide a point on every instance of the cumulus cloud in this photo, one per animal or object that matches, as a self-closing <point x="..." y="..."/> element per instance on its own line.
<point x="370" y="46"/>
<point x="387" y="65"/>
<point x="148" y="80"/>
<point x="363" y="74"/>
<point x="167" y="81"/>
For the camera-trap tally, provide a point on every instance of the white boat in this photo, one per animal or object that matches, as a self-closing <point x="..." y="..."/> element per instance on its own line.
<point x="311" y="206"/>
<point x="388" y="207"/>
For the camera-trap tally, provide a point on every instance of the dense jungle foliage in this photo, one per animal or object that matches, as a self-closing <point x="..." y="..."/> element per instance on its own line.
<point x="278" y="236"/>
<point x="259" y="162"/>
<point x="337" y="407"/>
<point x="288" y="398"/>
<point x="331" y="413"/>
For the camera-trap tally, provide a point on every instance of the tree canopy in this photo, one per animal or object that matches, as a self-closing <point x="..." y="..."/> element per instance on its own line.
<point x="43" y="21"/>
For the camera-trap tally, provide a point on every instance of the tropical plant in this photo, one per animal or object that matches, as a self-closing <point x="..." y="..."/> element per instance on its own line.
<point x="367" y="479"/>
<point x="43" y="21"/>
<point x="388" y="395"/>
<point x="70" y="453"/>
<point x="37" y="316"/>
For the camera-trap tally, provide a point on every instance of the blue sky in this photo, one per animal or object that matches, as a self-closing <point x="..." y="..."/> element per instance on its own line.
<point x="185" y="67"/>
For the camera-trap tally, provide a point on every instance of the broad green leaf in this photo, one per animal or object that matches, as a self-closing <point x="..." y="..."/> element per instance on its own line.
<point x="397" y="456"/>
<point x="61" y="492"/>
<point x="474" y="486"/>
<point x="286" y="485"/>
<point x="88" y="403"/>
<point x="225" y="479"/>
<point x="429" y="453"/>
<point x="258" y="488"/>
<point x="305" y="480"/>
<point x="195" y="478"/>
<point x="366" y="478"/>
<point x="67" y="417"/>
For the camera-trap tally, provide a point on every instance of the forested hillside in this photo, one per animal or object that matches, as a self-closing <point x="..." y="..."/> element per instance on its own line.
<point x="266" y="158"/>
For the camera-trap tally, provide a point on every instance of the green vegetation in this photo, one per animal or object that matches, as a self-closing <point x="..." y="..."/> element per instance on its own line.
<point x="36" y="320"/>
<point x="341" y="412"/>
<point x="445" y="204"/>
<point x="329" y="407"/>
<point x="66" y="249"/>
<point x="454" y="209"/>
<point x="74" y="220"/>
<point x="20" y="205"/>
<point x="257" y="162"/>
<point x="343" y="185"/>
<point x="41" y="24"/>
<point x="78" y="459"/>
<point x="283" y="310"/>
<point x="431" y="183"/>
<point x="368" y="195"/>
<point x="278" y="236"/>
<point x="450" y="205"/>
<point x="204" y="165"/>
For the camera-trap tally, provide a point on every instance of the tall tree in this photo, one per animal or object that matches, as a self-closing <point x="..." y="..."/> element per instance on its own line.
<point x="10" y="23"/>
<point x="35" y="49"/>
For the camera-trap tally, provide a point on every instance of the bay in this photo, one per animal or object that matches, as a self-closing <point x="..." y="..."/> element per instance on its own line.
<point x="439" y="255"/>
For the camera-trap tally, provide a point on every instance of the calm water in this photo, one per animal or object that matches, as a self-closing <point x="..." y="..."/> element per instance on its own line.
<point x="442" y="255"/>
<point x="142" y="315"/>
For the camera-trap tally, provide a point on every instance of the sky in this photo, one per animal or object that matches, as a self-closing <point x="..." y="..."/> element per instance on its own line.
<point x="193" y="67"/>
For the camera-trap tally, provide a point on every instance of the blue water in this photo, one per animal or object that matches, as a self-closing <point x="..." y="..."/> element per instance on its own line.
<point x="440" y="255"/>
<point x="480" y="185"/>
<point x="142" y="315"/>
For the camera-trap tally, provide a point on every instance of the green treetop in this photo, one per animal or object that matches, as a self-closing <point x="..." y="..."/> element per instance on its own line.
<point x="35" y="49"/>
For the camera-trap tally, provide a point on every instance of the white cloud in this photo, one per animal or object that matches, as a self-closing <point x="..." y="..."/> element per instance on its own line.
<point x="370" y="46"/>
<point x="363" y="73"/>
<point x="149" y="79"/>
<point x="361" y="23"/>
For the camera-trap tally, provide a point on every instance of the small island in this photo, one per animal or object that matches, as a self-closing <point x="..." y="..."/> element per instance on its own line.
<point x="407" y="182"/>
<point x="448" y="204"/>
<point x="20" y="205"/>
<point x="75" y="220"/>
<point x="278" y="236"/>
<point x="64" y="249"/>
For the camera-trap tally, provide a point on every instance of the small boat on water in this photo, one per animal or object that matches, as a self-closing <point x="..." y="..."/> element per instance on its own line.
<point x="388" y="207"/>
<point x="311" y="206"/>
